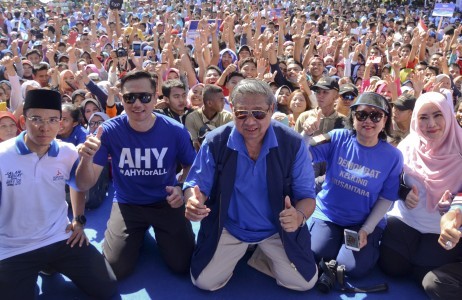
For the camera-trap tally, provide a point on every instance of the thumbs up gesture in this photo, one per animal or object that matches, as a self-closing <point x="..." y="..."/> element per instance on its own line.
<point x="445" y="202"/>
<point x="412" y="198"/>
<point x="290" y="218"/>
<point x="92" y="144"/>
<point x="196" y="210"/>
<point x="311" y="124"/>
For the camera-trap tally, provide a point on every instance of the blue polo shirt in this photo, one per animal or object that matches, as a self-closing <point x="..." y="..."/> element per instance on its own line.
<point x="250" y="218"/>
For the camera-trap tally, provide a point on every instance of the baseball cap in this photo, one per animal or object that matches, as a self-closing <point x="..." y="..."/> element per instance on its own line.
<point x="326" y="83"/>
<point x="405" y="102"/>
<point x="372" y="99"/>
<point x="348" y="88"/>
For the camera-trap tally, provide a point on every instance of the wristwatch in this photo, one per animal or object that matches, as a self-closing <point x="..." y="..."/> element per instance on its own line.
<point x="81" y="219"/>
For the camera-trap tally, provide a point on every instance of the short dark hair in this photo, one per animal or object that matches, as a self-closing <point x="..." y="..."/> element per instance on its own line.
<point x="409" y="46"/>
<point x="246" y="60"/>
<point x="40" y="67"/>
<point x="140" y="74"/>
<point x="434" y="69"/>
<point x="234" y="74"/>
<point x="73" y="110"/>
<point x="210" y="89"/>
<point x="168" y="85"/>
<point x="213" y="67"/>
<point x="34" y="51"/>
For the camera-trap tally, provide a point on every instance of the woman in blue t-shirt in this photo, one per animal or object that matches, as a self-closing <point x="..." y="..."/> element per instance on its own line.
<point x="71" y="131"/>
<point x="361" y="183"/>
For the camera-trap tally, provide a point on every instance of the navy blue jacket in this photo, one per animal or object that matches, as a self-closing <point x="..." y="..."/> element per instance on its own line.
<point x="279" y="177"/>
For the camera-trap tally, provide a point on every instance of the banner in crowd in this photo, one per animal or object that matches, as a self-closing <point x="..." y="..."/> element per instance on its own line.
<point x="193" y="27"/>
<point x="444" y="10"/>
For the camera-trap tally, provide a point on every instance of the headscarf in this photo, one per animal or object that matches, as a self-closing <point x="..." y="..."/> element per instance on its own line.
<point x="170" y="70"/>
<point x="285" y="108"/>
<point x="7" y="114"/>
<point x="233" y="55"/>
<point x="191" y="93"/>
<point x="62" y="83"/>
<point x="434" y="162"/>
<point x="28" y="83"/>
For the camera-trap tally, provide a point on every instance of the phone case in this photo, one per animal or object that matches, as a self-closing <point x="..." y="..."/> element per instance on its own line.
<point x="351" y="240"/>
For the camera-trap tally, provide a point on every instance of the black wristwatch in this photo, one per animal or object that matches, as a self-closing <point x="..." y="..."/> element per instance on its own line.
<point x="81" y="219"/>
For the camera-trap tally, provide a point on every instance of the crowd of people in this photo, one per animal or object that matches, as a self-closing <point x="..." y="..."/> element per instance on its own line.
<point x="279" y="125"/>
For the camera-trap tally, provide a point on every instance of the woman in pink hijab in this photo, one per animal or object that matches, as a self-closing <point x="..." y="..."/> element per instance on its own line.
<point x="432" y="174"/>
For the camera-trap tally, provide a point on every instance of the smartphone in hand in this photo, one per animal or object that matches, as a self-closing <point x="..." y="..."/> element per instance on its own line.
<point x="351" y="240"/>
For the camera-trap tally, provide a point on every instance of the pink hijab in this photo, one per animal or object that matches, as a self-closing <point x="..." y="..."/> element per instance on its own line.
<point x="436" y="163"/>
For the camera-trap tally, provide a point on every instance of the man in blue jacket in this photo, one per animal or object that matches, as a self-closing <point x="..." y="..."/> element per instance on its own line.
<point x="252" y="183"/>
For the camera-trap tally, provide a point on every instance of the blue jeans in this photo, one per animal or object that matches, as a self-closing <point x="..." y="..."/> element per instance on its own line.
<point x="327" y="241"/>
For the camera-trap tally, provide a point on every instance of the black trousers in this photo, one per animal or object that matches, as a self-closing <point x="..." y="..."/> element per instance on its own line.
<point x="85" y="266"/>
<point x="127" y="226"/>
<point x="444" y="282"/>
<point x="406" y="251"/>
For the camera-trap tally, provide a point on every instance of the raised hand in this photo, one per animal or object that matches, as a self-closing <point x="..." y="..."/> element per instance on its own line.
<point x="196" y="209"/>
<point x="311" y="124"/>
<point x="91" y="145"/>
<point x="445" y="202"/>
<point x="412" y="198"/>
<point x="450" y="233"/>
<point x="289" y="217"/>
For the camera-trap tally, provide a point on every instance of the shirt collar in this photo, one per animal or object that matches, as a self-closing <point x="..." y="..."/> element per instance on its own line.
<point x="22" y="148"/>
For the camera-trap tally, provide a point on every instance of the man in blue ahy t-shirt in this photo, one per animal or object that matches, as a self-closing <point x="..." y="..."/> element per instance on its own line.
<point x="145" y="148"/>
<point x="252" y="183"/>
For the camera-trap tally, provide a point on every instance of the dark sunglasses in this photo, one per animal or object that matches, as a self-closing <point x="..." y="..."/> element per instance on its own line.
<point x="130" y="98"/>
<point x="348" y="97"/>
<point x="244" y="114"/>
<point x="362" y="116"/>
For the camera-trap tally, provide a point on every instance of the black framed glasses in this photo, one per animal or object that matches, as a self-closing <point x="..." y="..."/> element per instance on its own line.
<point x="348" y="97"/>
<point x="130" y="98"/>
<point x="244" y="114"/>
<point x="95" y="123"/>
<point x="362" y="116"/>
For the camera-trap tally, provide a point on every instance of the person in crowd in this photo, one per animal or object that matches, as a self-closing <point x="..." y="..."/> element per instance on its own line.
<point x="35" y="229"/>
<point x="9" y="127"/>
<point x="401" y="115"/>
<point x="71" y="131"/>
<point x="174" y="94"/>
<point x="195" y="96"/>
<point x="360" y="185"/>
<point x="347" y="96"/>
<point x="299" y="102"/>
<point x="210" y="116"/>
<point x="246" y="208"/>
<point x="95" y="120"/>
<point x="282" y="99"/>
<point x="147" y="192"/>
<point x="458" y="110"/>
<point x="321" y="119"/>
<point x="430" y="177"/>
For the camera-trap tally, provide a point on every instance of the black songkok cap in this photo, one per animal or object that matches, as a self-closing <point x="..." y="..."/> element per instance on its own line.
<point x="42" y="98"/>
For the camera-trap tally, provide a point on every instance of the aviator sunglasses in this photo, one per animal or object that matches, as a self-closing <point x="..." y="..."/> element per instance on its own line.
<point x="244" y="114"/>
<point x="130" y="98"/>
<point x="362" y="116"/>
<point x="348" y="97"/>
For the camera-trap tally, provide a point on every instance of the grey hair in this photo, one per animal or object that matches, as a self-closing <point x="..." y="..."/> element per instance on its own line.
<point x="252" y="87"/>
